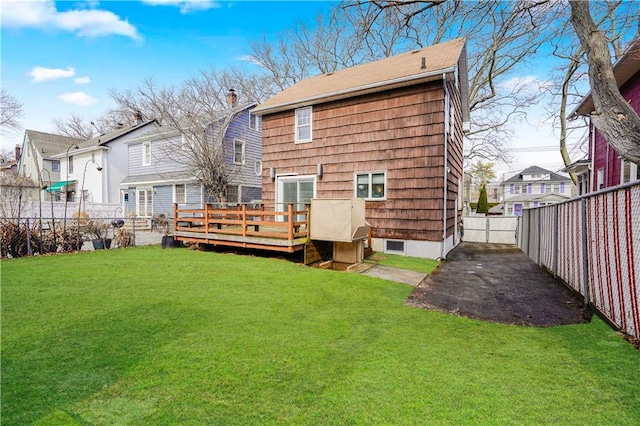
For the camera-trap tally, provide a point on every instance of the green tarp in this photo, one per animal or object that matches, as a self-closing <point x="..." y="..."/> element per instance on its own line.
<point x="55" y="187"/>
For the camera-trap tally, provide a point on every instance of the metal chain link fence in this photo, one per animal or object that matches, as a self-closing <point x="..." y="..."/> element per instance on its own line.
<point x="592" y="244"/>
<point x="34" y="236"/>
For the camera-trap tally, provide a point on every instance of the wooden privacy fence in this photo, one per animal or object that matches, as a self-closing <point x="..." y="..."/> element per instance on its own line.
<point x="592" y="244"/>
<point x="241" y="226"/>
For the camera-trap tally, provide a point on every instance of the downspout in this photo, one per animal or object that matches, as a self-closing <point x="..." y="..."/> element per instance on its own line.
<point x="592" y="177"/>
<point x="447" y="114"/>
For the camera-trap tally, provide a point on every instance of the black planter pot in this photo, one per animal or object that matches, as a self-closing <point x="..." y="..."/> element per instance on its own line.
<point x="169" y="242"/>
<point x="101" y="244"/>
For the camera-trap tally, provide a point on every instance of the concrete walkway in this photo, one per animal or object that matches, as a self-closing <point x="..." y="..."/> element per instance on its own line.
<point x="393" y="274"/>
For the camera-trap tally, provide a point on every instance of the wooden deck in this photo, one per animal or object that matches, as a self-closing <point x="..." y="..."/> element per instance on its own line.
<point x="244" y="227"/>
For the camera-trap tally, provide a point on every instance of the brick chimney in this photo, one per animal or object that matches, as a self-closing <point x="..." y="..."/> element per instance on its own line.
<point x="137" y="118"/>
<point x="232" y="98"/>
<point x="18" y="151"/>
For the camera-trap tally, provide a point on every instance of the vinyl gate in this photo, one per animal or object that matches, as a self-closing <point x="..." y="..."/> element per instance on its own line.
<point x="491" y="229"/>
<point x="592" y="244"/>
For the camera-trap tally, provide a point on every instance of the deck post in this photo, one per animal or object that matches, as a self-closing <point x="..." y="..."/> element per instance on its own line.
<point x="244" y="220"/>
<point x="206" y="218"/>
<point x="290" y="221"/>
<point x="175" y="216"/>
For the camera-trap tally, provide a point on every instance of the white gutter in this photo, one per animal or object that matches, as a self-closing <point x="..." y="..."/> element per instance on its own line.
<point x="353" y="91"/>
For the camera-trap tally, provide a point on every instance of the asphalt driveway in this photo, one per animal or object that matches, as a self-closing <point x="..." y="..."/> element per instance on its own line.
<point x="498" y="283"/>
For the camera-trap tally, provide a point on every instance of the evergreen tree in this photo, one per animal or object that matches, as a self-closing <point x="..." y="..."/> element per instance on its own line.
<point x="483" y="206"/>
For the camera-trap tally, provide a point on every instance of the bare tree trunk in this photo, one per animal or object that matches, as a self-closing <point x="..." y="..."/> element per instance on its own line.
<point x="613" y="116"/>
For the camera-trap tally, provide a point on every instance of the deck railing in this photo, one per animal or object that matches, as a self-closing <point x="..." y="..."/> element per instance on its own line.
<point x="242" y="221"/>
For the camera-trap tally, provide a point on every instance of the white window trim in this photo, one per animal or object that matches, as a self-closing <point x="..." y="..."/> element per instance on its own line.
<point x="148" y="191"/>
<point x="244" y="145"/>
<point x="146" y="161"/>
<point x="254" y="121"/>
<point x="175" y="193"/>
<point x="633" y="171"/>
<point x="310" y="109"/>
<point x="355" y="185"/>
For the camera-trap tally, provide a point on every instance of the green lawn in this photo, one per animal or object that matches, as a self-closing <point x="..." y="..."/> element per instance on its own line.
<point x="150" y="336"/>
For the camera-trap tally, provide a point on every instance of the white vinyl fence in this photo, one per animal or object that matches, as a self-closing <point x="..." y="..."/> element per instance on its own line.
<point x="490" y="229"/>
<point x="592" y="244"/>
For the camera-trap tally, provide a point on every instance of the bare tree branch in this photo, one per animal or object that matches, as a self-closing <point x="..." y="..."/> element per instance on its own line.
<point x="11" y="113"/>
<point x="613" y="116"/>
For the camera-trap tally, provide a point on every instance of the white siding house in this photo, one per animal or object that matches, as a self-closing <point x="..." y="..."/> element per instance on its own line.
<point x="534" y="187"/>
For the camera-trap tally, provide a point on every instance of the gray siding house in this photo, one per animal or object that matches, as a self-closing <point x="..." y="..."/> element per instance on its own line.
<point x="160" y="174"/>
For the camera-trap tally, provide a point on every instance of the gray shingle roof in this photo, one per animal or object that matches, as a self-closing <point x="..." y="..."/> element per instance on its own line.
<point x="535" y="170"/>
<point x="49" y="144"/>
<point x="114" y="134"/>
<point x="406" y="68"/>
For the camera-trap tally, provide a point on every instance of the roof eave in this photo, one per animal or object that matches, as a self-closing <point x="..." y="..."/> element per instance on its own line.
<point x="356" y="91"/>
<point x="624" y="68"/>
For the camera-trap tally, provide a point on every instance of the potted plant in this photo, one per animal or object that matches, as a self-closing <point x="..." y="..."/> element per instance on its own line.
<point x="167" y="238"/>
<point x="97" y="231"/>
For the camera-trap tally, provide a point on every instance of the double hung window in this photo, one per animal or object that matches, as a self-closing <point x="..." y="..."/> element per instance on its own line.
<point x="303" y="125"/>
<point x="371" y="186"/>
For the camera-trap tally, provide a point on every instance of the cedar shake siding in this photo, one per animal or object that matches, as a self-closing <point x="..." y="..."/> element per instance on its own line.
<point x="400" y="132"/>
<point x="404" y="116"/>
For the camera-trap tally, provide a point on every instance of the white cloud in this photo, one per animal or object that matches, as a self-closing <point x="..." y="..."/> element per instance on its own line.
<point x="82" y="80"/>
<point x="77" y="98"/>
<point x="40" y="74"/>
<point x="186" y="6"/>
<point x="83" y="22"/>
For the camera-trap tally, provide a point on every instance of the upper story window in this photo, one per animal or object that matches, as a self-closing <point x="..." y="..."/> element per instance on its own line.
<point x="630" y="172"/>
<point x="238" y="151"/>
<point x="371" y="186"/>
<point x="55" y="166"/>
<point x="254" y="121"/>
<point x="303" y="125"/>
<point x="146" y="154"/>
<point x="70" y="164"/>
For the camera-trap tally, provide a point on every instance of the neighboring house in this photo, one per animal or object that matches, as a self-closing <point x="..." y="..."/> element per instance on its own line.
<point x="533" y="187"/>
<point x="38" y="160"/>
<point x="604" y="167"/>
<point x="159" y="175"/>
<point x="10" y="167"/>
<point x="95" y="168"/>
<point x="389" y="131"/>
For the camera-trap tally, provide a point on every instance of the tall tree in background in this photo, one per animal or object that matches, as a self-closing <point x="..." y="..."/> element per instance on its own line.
<point x="11" y="113"/>
<point x="482" y="172"/>
<point x="500" y="35"/>
<point x="483" y="204"/>
<point x="194" y="116"/>
<point x="613" y="116"/>
<point x="619" y="22"/>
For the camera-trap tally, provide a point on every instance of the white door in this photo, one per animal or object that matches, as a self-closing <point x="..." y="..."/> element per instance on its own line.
<point x="145" y="203"/>
<point x="296" y="190"/>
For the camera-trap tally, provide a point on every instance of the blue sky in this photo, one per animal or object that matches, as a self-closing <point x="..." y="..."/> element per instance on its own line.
<point x="62" y="57"/>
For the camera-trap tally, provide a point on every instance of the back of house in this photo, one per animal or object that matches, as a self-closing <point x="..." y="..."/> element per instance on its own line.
<point x="390" y="132"/>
